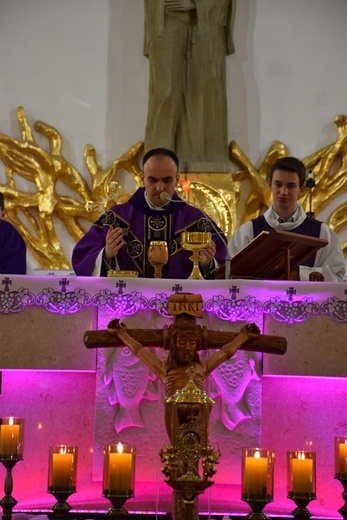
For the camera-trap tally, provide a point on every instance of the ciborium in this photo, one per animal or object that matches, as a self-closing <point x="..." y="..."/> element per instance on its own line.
<point x="158" y="256"/>
<point x="196" y="241"/>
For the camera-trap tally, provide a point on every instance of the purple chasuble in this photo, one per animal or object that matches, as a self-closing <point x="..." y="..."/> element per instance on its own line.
<point x="12" y="250"/>
<point x="142" y="224"/>
<point x="310" y="227"/>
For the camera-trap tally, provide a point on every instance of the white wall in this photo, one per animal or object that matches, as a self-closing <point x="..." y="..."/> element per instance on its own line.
<point x="78" y="65"/>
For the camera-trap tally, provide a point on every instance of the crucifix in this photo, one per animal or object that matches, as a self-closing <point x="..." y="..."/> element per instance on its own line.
<point x="184" y="374"/>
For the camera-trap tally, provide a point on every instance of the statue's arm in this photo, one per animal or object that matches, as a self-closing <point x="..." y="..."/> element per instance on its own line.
<point x="120" y="331"/>
<point x="228" y="350"/>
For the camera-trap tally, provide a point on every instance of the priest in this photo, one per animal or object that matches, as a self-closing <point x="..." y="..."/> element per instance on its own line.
<point x="120" y="238"/>
<point x="12" y="246"/>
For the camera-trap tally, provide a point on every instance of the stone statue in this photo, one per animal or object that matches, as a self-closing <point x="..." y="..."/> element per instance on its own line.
<point x="186" y="42"/>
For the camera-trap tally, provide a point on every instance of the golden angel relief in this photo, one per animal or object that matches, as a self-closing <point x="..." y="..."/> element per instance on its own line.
<point x="56" y="194"/>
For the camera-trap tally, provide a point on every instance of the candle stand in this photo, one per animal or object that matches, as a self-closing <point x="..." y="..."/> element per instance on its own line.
<point x="8" y="502"/>
<point x="11" y="451"/>
<point x="61" y="508"/>
<point x="343" y="509"/>
<point x="301" y="500"/>
<point x="257" y="480"/>
<point x="257" y="505"/>
<point x="62" y="471"/>
<point x="118" y="477"/>
<point x="117" y="510"/>
<point x="301" y="476"/>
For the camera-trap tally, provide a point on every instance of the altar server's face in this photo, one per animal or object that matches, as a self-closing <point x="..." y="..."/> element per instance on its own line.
<point x="159" y="174"/>
<point x="286" y="190"/>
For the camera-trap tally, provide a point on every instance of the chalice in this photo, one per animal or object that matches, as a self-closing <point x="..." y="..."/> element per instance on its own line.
<point x="158" y="256"/>
<point x="196" y="241"/>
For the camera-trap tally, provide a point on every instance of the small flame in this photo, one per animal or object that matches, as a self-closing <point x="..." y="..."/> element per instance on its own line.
<point x="185" y="185"/>
<point x="10" y="421"/>
<point x="120" y="447"/>
<point x="257" y="454"/>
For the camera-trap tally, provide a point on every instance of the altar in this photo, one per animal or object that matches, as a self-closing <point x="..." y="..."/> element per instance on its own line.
<point x="69" y="394"/>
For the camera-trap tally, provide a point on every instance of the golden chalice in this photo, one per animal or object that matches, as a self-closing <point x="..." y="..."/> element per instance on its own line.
<point x="158" y="256"/>
<point x="196" y="241"/>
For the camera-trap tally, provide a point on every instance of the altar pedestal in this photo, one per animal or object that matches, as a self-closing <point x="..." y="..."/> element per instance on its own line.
<point x="51" y="380"/>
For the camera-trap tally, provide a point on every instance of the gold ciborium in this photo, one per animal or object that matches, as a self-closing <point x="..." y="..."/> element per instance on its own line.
<point x="196" y="241"/>
<point x="158" y="256"/>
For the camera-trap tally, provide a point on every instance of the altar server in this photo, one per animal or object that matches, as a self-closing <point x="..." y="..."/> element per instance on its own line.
<point x="286" y="179"/>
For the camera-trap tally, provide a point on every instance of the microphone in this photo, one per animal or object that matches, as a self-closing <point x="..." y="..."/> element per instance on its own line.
<point x="165" y="197"/>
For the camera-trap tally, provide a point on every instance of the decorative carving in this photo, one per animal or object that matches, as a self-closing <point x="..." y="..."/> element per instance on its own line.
<point x="34" y="213"/>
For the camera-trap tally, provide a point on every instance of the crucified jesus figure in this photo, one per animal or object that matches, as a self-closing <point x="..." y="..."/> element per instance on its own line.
<point x="183" y="361"/>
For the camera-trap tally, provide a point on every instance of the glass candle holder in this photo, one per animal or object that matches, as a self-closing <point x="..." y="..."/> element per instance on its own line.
<point x="11" y="438"/>
<point x="257" y="473"/>
<point x="62" y="469"/>
<point x="119" y="470"/>
<point x="301" y="474"/>
<point x="341" y="457"/>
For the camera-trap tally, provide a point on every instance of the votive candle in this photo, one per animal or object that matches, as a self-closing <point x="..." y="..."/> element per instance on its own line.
<point x="257" y="472"/>
<point x="62" y="468"/>
<point x="119" y="470"/>
<point x="301" y="472"/>
<point x="341" y="457"/>
<point x="11" y="438"/>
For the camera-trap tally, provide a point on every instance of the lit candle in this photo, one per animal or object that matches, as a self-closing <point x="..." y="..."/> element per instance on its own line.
<point x="342" y="458"/>
<point x="255" y="476"/>
<point x="62" y="470"/>
<point x="10" y="434"/>
<point x="118" y="478"/>
<point x="302" y="473"/>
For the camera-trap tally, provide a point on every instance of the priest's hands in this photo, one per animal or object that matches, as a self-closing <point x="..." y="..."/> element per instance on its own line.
<point x="114" y="241"/>
<point x="206" y="256"/>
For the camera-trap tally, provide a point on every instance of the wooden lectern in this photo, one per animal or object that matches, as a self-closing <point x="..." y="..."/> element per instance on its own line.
<point x="272" y="255"/>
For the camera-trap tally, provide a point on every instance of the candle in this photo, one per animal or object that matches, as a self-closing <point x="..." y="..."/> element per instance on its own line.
<point x="255" y="474"/>
<point x="302" y="473"/>
<point x="119" y="469"/>
<point x="342" y="457"/>
<point x="62" y="468"/>
<point x="10" y="438"/>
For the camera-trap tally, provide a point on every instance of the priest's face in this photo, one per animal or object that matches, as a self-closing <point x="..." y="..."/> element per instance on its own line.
<point x="159" y="175"/>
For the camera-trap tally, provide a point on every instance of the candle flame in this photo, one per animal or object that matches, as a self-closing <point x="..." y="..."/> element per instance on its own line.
<point x="62" y="450"/>
<point x="301" y="455"/>
<point x="257" y="454"/>
<point x="120" y="447"/>
<point x="10" y="422"/>
<point x="185" y="185"/>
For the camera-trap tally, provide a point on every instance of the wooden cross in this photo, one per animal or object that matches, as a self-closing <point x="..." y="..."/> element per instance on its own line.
<point x="189" y="305"/>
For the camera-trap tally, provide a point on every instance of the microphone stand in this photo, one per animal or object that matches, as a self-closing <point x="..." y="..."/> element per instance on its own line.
<point x="310" y="183"/>
<point x="166" y="197"/>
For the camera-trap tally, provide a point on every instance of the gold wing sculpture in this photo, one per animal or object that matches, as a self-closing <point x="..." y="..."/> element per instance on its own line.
<point x="56" y="193"/>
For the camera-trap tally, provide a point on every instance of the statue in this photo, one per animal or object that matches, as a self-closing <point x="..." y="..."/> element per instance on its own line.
<point x="187" y="43"/>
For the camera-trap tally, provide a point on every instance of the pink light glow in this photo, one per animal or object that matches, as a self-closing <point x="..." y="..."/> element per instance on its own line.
<point x="62" y="403"/>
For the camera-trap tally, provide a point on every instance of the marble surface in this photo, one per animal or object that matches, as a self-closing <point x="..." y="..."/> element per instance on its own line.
<point x="316" y="347"/>
<point x="37" y="339"/>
